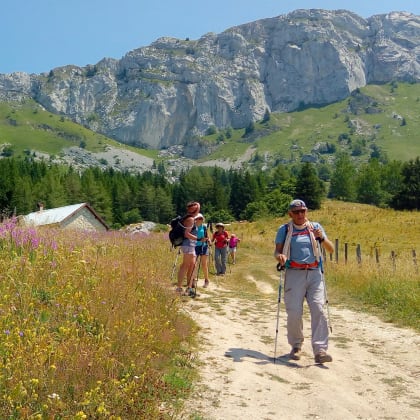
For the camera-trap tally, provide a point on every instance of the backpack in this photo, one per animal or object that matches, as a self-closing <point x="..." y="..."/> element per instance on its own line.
<point x="176" y="234"/>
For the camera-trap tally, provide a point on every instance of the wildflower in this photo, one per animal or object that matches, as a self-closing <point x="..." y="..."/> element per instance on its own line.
<point x="54" y="396"/>
<point x="7" y="332"/>
<point x="101" y="409"/>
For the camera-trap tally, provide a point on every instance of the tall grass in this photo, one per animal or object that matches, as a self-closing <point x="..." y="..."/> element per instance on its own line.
<point x="393" y="295"/>
<point x="89" y="328"/>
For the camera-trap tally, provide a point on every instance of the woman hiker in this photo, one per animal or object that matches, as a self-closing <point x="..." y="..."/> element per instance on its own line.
<point x="202" y="249"/>
<point x="220" y="239"/>
<point x="233" y="244"/>
<point x="188" y="247"/>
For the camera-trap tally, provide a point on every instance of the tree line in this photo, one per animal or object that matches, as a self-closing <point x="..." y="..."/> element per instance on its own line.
<point x="122" y="198"/>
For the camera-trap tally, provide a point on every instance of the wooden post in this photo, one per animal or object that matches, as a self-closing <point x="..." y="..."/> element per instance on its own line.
<point x="358" y="254"/>
<point x="377" y="255"/>
<point x="336" y="251"/>
<point x="346" y="248"/>
<point x="413" y="253"/>
<point x="394" y="266"/>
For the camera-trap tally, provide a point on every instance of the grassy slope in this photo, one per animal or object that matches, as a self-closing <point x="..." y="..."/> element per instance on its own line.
<point x="325" y="124"/>
<point x="29" y="127"/>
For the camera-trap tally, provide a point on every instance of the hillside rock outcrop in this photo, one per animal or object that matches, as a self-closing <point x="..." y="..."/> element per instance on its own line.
<point x="172" y="91"/>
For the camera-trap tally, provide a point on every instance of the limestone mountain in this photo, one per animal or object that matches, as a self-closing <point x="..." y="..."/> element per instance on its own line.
<point x="174" y="90"/>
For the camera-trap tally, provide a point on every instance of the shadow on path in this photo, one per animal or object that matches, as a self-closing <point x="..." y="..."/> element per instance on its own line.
<point x="238" y="354"/>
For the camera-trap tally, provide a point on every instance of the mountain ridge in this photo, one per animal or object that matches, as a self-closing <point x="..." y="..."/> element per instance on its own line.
<point x="173" y="91"/>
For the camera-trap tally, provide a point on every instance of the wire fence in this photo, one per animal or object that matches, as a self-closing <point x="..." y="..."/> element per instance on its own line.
<point x="343" y="254"/>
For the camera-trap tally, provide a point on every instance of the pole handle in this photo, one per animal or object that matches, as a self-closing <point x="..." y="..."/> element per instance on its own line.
<point x="279" y="267"/>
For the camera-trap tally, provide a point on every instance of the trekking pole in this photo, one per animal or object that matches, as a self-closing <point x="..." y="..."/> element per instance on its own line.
<point x="192" y="283"/>
<point x="211" y="259"/>
<point x="321" y="266"/>
<point x="196" y="280"/>
<point x="229" y="262"/>
<point x="281" y="269"/>
<point x="175" y="262"/>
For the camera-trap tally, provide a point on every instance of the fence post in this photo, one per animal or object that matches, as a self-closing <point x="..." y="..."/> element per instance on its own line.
<point x="336" y="251"/>
<point x="393" y="261"/>
<point x="377" y="255"/>
<point x="413" y="252"/>
<point x="358" y="254"/>
<point x="346" y="248"/>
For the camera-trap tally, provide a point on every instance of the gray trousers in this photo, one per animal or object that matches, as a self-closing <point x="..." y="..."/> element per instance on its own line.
<point x="220" y="257"/>
<point x="301" y="284"/>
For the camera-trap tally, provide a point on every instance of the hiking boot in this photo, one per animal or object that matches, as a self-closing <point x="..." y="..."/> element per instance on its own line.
<point x="206" y="283"/>
<point x="322" y="357"/>
<point x="178" y="290"/>
<point x="295" y="353"/>
<point x="191" y="292"/>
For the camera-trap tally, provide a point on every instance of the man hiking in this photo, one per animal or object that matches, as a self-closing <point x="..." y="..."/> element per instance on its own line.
<point x="297" y="251"/>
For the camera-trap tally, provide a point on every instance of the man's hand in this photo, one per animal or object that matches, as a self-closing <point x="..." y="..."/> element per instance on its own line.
<point x="281" y="258"/>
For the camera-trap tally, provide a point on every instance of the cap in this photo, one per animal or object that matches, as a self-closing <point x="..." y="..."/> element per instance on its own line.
<point x="220" y="224"/>
<point x="297" y="204"/>
<point x="199" y="216"/>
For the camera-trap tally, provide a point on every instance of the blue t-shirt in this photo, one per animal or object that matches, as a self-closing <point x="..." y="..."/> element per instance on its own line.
<point x="201" y="233"/>
<point x="300" y="245"/>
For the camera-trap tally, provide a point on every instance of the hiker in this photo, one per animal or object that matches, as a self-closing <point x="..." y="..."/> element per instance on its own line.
<point x="233" y="244"/>
<point x="202" y="249"/>
<point x="297" y="251"/>
<point x="188" y="247"/>
<point x="220" y="239"/>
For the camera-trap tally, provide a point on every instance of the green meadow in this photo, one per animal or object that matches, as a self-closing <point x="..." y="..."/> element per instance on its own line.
<point x="91" y="326"/>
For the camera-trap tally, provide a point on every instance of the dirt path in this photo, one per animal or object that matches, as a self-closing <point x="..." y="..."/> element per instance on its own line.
<point x="375" y="373"/>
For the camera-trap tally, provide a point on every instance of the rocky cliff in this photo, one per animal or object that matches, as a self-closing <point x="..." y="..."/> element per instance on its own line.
<point x="167" y="93"/>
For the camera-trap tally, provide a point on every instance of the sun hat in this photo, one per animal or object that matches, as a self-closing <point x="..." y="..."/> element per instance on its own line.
<point x="220" y="224"/>
<point x="199" y="216"/>
<point x="297" y="204"/>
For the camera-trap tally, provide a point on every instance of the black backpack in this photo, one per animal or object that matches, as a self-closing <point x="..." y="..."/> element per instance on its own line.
<point x="176" y="234"/>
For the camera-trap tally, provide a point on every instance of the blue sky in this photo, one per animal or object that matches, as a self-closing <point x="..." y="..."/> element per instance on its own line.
<point x="39" y="35"/>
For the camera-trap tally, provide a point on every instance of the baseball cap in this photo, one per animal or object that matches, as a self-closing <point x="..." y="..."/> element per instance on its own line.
<point x="297" y="204"/>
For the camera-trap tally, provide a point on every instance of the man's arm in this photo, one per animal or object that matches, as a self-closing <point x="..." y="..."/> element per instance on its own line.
<point x="278" y="254"/>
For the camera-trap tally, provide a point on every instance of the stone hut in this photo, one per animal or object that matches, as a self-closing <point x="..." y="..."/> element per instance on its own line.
<point x="76" y="216"/>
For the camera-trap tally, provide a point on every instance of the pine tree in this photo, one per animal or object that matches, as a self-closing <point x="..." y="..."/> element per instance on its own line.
<point x="342" y="185"/>
<point x="309" y="187"/>
<point x="408" y="197"/>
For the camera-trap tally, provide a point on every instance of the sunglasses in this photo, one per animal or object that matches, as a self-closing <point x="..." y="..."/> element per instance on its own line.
<point x="298" y="211"/>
